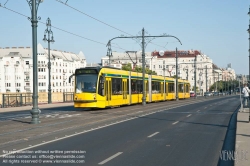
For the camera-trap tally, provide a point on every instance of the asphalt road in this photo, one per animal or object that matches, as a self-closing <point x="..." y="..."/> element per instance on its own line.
<point x="187" y="135"/>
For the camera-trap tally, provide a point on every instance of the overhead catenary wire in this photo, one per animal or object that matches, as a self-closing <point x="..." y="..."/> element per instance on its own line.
<point x="6" y="2"/>
<point x="100" y="20"/>
<point x="60" y="28"/>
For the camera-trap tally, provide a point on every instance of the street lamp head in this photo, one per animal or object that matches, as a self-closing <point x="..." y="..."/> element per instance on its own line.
<point x="52" y="39"/>
<point x="44" y="38"/>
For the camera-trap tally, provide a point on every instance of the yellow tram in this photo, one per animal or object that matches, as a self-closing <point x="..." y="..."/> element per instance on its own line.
<point x="102" y="87"/>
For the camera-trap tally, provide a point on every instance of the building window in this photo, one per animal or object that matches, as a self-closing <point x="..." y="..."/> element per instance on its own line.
<point x="27" y="62"/>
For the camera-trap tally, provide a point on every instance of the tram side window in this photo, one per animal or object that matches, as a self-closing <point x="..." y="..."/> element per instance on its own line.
<point x="116" y="86"/>
<point x="133" y="86"/>
<point x="171" y="87"/>
<point x="186" y="86"/>
<point x="166" y="89"/>
<point x="155" y="87"/>
<point x="180" y="88"/>
<point x="127" y="86"/>
<point x="136" y="86"/>
<point x="139" y="86"/>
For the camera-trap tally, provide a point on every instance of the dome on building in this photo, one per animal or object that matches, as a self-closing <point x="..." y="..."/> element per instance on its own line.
<point x="81" y="55"/>
<point x="40" y="49"/>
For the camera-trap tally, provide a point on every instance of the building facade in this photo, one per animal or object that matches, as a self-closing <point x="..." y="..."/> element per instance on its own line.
<point x="16" y="69"/>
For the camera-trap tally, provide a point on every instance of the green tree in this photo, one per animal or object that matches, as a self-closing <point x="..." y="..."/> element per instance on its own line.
<point x="138" y="69"/>
<point x="127" y="67"/>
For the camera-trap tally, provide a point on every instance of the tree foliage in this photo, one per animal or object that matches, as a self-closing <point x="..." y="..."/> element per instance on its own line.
<point x="128" y="67"/>
<point x="224" y="86"/>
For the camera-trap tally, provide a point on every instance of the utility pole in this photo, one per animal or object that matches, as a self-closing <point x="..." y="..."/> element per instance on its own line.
<point x="48" y="30"/>
<point x="34" y="4"/>
<point x="216" y="89"/>
<point x="206" y="78"/>
<point x="143" y="69"/>
<point x="164" y="85"/>
<point x="218" y="81"/>
<point x="195" y="59"/>
<point x="109" y="53"/>
<point x="176" y="69"/>
<point x="187" y="74"/>
<point x="186" y="69"/>
<point x="200" y="74"/>
<point x="249" y="57"/>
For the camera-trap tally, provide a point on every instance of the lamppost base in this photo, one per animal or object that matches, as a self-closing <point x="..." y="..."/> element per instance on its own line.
<point x="35" y="116"/>
<point x="35" y="121"/>
<point x="143" y="102"/>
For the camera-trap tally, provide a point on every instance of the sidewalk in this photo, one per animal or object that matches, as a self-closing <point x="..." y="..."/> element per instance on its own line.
<point x="40" y="106"/>
<point x="242" y="142"/>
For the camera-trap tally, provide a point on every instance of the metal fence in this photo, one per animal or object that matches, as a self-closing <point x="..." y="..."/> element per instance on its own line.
<point x="16" y="100"/>
<point x="68" y="96"/>
<point x="25" y="99"/>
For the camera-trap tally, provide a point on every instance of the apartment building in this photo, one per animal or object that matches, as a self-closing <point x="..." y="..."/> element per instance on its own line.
<point x="16" y="69"/>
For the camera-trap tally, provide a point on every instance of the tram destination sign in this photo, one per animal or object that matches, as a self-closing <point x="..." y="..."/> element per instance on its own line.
<point x="86" y="71"/>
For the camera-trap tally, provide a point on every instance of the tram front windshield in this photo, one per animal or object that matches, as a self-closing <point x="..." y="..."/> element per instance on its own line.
<point x="86" y="83"/>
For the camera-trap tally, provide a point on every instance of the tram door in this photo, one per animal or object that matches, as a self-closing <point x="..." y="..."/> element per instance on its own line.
<point x="124" y="90"/>
<point x="162" y="90"/>
<point x="166" y="91"/>
<point x="108" y="91"/>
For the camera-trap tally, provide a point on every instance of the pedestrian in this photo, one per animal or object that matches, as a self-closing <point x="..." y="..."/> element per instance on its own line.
<point x="245" y="92"/>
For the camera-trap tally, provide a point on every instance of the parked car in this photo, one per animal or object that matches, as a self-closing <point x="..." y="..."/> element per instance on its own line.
<point x="216" y="93"/>
<point x="208" y="94"/>
<point x="192" y="94"/>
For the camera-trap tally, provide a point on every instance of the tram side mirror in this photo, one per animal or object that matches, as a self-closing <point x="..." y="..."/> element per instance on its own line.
<point x="71" y="77"/>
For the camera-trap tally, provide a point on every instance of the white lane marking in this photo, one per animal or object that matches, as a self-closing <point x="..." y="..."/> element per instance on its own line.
<point x="175" y="122"/>
<point x="110" y="158"/>
<point x="189" y="115"/>
<point x="205" y="107"/>
<point x="167" y="145"/>
<point x="198" y="111"/>
<point x="153" y="134"/>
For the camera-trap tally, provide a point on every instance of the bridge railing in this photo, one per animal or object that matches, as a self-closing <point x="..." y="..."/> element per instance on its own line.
<point x="25" y="99"/>
<point x="16" y="100"/>
<point x="68" y="96"/>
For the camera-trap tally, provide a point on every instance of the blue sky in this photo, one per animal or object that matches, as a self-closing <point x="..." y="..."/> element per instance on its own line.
<point x="218" y="28"/>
